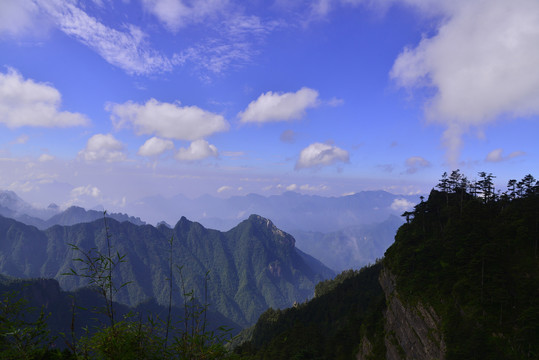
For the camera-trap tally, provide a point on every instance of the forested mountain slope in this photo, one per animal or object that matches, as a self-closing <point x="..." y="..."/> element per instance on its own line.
<point x="461" y="281"/>
<point x="67" y="311"/>
<point x="250" y="268"/>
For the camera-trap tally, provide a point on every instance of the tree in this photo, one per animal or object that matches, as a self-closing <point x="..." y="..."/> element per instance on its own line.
<point x="526" y="185"/>
<point x="486" y="186"/>
<point x="512" y="189"/>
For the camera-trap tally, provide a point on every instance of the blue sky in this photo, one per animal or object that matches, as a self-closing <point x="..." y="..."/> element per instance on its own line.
<point x="106" y="102"/>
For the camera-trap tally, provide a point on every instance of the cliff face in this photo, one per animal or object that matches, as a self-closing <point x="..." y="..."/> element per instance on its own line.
<point x="412" y="331"/>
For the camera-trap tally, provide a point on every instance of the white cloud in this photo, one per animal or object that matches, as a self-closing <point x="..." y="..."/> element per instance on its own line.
<point x="482" y="62"/>
<point x="307" y="187"/>
<point x="17" y="16"/>
<point x="230" y="40"/>
<point x="27" y="103"/>
<point x="415" y="163"/>
<point x="319" y="154"/>
<point x="291" y="187"/>
<point x="497" y="155"/>
<point x="224" y="188"/>
<point x="155" y="146"/>
<point x="175" y="14"/>
<point x="167" y="120"/>
<point x="87" y="190"/>
<point x="128" y="49"/>
<point x="401" y="205"/>
<point x="103" y="147"/>
<point x="234" y="46"/>
<point x="198" y="150"/>
<point x="45" y="158"/>
<point x="280" y="106"/>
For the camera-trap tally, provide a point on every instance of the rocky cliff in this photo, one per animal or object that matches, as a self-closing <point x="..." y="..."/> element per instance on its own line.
<point x="412" y="330"/>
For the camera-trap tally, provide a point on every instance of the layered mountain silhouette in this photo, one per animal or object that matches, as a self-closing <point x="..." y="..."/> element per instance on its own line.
<point x="289" y="211"/>
<point x="461" y="281"/>
<point x="352" y="247"/>
<point x="249" y="268"/>
<point x="343" y="232"/>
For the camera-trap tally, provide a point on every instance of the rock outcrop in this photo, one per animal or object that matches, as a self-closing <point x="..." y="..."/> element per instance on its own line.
<point x="365" y="349"/>
<point x="412" y="331"/>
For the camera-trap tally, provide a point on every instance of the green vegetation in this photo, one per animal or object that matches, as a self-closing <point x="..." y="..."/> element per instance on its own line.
<point x="23" y="333"/>
<point x="471" y="252"/>
<point x="252" y="267"/>
<point x="468" y="251"/>
<point x="129" y="338"/>
<point x="330" y="326"/>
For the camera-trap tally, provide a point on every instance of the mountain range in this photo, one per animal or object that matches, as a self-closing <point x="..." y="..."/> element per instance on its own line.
<point x="289" y="211"/>
<point x="461" y="281"/>
<point x="251" y="267"/>
<point x="12" y="206"/>
<point x="343" y="232"/>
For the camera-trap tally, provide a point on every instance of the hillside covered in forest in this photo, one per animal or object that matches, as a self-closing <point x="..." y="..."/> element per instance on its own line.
<point x="250" y="268"/>
<point x="461" y="281"/>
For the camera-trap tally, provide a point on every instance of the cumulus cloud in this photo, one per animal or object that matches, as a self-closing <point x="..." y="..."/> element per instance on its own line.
<point x="319" y="154"/>
<point x="24" y="102"/>
<point x="401" y="205"/>
<point x="416" y="163"/>
<point x="497" y="155"/>
<point x="292" y="187"/>
<point x="482" y="64"/>
<point x="198" y="150"/>
<point x="167" y="120"/>
<point x="87" y="190"/>
<point x="17" y="16"/>
<point x="175" y="14"/>
<point x="103" y="147"/>
<point x="307" y="187"/>
<point x="155" y="146"/>
<point x="45" y="158"/>
<point x="224" y="188"/>
<point x="280" y="106"/>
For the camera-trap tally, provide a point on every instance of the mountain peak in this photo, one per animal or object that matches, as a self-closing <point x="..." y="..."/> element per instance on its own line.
<point x="283" y="238"/>
<point x="11" y="200"/>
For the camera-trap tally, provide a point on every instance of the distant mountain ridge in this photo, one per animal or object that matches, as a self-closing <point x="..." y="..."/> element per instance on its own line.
<point x="290" y="210"/>
<point x="12" y="206"/>
<point x="461" y="281"/>
<point x="75" y="215"/>
<point x="251" y="267"/>
<point x="343" y="232"/>
<point x="352" y="247"/>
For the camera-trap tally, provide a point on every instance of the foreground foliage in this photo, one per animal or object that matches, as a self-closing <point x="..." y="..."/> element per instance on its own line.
<point x="472" y="253"/>
<point x="330" y="326"/>
<point x="469" y="251"/>
<point x="23" y="336"/>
